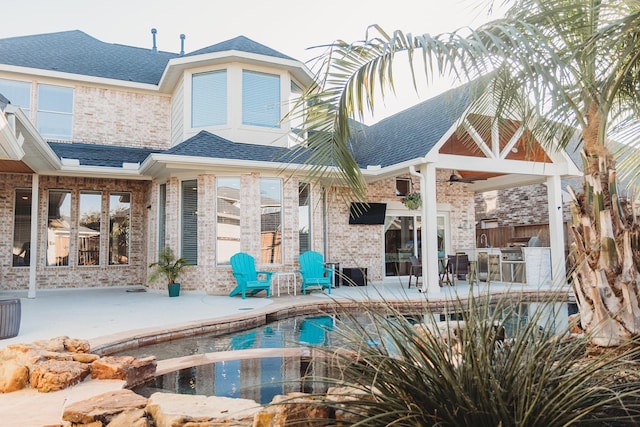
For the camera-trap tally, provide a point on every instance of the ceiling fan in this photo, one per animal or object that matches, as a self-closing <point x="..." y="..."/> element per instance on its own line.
<point x="455" y="178"/>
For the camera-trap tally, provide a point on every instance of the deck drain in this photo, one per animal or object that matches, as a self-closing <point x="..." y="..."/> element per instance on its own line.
<point x="245" y="308"/>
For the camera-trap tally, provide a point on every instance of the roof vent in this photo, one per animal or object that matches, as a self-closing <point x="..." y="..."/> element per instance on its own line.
<point x="182" y="37"/>
<point x="154" y="49"/>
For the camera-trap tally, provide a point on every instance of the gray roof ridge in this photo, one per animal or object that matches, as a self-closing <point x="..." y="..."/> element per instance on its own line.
<point x="232" y="44"/>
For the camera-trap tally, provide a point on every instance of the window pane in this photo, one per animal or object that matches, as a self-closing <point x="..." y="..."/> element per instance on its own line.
<point x="403" y="186"/>
<point x="304" y="216"/>
<point x="58" y="228"/>
<point x="119" y="231"/>
<point x="162" y="216"/>
<point x="260" y="99"/>
<point x="228" y="219"/>
<point x="22" y="228"/>
<point x="270" y="221"/>
<point x="54" y="125"/>
<point x="55" y="98"/>
<point x="209" y="99"/>
<point x="19" y="93"/>
<point x="190" y="221"/>
<point x="55" y="108"/>
<point x="89" y="228"/>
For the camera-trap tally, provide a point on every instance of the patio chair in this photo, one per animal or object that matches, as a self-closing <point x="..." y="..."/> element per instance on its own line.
<point x="459" y="264"/>
<point x="415" y="269"/>
<point x="314" y="273"/>
<point x="244" y="270"/>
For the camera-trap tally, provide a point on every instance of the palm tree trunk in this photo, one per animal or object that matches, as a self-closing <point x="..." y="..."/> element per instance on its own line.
<point x="605" y="249"/>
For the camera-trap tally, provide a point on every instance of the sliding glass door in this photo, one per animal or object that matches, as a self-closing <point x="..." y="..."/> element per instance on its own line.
<point x="403" y="238"/>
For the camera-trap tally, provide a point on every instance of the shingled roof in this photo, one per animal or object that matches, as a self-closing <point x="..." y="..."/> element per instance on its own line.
<point x="100" y="155"/>
<point x="243" y="44"/>
<point x="411" y="133"/>
<point x="78" y="53"/>
<point x="206" y="144"/>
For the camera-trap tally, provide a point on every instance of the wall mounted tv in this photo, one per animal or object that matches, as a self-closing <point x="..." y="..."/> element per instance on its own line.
<point x="367" y="213"/>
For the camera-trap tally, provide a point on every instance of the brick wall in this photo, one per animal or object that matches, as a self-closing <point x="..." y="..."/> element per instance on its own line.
<point x="74" y="276"/>
<point x="115" y="117"/>
<point x="516" y="206"/>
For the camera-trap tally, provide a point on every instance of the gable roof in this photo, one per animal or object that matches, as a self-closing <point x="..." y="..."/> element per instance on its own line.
<point x="100" y="155"/>
<point x="78" y="53"/>
<point x="406" y="135"/>
<point x="206" y="144"/>
<point x="243" y="44"/>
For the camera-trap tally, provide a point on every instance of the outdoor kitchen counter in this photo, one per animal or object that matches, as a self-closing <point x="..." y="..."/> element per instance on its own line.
<point x="510" y="263"/>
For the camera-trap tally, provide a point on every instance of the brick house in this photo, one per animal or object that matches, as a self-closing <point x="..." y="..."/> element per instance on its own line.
<point x="110" y="152"/>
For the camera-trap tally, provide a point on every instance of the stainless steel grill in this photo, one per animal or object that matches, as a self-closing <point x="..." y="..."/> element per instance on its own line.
<point x="511" y="254"/>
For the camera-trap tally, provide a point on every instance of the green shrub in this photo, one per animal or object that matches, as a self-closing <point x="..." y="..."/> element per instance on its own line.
<point x="533" y="376"/>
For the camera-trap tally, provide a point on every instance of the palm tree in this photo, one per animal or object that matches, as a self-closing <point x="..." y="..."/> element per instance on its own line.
<point x="562" y="65"/>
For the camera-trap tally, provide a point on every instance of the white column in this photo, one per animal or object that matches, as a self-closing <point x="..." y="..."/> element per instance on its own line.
<point x="556" y="230"/>
<point x="35" y="181"/>
<point x="430" y="277"/>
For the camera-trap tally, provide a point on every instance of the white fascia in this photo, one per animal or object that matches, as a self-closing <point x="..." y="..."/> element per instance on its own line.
<point x="196" y="162"/>
<point x="78" y="77"/>
<point x="10" y="145"/>
<point x="176" y="66"/>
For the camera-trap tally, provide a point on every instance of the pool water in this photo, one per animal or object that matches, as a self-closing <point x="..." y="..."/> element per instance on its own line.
<point x="262" y="378"/>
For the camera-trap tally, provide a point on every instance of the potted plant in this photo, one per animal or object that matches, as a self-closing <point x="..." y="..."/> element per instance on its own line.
<point x="169" y="266"/>
<point x="412" y="200"/>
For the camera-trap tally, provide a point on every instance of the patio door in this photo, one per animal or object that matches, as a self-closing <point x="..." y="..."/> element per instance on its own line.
<point x="403" y="238"/>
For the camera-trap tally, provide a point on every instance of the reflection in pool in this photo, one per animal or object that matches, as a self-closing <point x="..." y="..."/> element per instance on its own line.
<point x="261" y="378"/>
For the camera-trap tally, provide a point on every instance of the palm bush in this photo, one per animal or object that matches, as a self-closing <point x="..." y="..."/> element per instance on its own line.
<point x="469" y="374"/>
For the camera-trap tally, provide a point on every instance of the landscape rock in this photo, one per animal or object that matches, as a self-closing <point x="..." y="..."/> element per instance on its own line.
<point x="14" y="376"/>
<point x="297" y="409"/>
<point x="75" y="345"/>
<point x="122" y="407"/>
<point x="175" y="410"/>
<point x="131" y="418"/>
<point x="133" y="371"/>
<point x="52" y="375"/>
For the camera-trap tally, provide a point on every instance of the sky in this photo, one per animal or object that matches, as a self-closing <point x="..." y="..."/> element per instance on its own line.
<point x="292" y="27"/>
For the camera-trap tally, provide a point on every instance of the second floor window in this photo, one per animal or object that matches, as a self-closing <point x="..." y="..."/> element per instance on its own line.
<point x="18" y="93"/>
<point x="55" y="111"/>
<point x="209" y="99"/>
<point x="260" y="99"/>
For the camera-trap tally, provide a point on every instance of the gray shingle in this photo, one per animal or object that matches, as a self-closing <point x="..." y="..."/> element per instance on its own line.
<point x="77" y="52"/>
<point x="206" y="144"/>
<point x="243" y="44"/>
<point x="100" y="155"/>
<point x="410" y="133"/>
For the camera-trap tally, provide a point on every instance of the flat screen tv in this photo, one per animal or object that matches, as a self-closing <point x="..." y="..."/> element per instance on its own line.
<point x="367" y="213"/>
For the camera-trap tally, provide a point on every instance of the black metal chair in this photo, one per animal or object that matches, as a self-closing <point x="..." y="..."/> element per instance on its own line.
<point x="415" y="269"/>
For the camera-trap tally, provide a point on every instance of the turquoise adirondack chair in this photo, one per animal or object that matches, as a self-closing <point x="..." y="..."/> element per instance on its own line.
<point x="244" y="270"/>
<point x="314" y="273"/>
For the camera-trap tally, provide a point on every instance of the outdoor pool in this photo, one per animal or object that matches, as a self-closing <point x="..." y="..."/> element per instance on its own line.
<point x="262" y="377"/>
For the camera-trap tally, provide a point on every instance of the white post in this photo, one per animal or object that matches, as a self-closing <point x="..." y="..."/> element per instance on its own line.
<point x="33" y="257"/>
<point x="556" y="230"/>
<point x="429" y="231"/>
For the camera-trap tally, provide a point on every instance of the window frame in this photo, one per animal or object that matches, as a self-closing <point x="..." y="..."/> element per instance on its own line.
<point x="28" y="85"/>
<point x="248" y="104"/>
<point x="43" y="113"/>
<point x="209" y="120"/>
